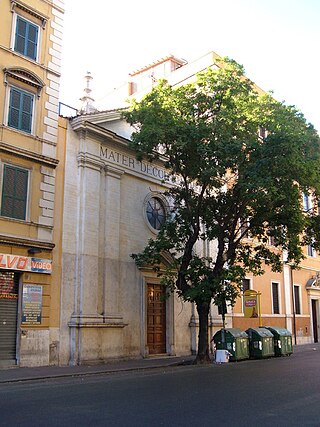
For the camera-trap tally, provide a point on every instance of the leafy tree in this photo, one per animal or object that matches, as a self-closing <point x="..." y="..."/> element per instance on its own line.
<point x="230" y="181"/>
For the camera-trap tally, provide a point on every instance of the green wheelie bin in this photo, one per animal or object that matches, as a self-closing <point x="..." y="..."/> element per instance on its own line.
<point x="282" y="341"/>
<point x="260" y="343"/>
<point x="234" y="341"/>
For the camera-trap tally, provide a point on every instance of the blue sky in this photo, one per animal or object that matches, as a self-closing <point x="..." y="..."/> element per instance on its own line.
<point x="277" y="41"/>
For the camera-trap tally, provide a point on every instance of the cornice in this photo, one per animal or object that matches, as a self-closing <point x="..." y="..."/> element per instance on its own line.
<point x="31" y="61"/>
<point x="81" y="124"/>
<point x="26" y="8"/>
<point x="26" y="154"/>
<point x="24" y="75"/>
<point x="26" y="243"/>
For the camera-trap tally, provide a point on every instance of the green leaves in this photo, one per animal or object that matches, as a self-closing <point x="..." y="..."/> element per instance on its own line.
<point x="207" y="133"/>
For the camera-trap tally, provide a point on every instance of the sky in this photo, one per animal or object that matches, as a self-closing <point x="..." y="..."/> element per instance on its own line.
<point x="277" y="42"/>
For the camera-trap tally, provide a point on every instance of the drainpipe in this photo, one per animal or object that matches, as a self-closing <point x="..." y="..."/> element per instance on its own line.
<point x="293" y="306"/>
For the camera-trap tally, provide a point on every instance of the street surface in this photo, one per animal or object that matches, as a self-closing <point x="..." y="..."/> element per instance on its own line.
<point x="273" y="392"/>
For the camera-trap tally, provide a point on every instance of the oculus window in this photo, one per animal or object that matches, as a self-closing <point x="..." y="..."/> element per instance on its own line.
<point x="156" y="212"/>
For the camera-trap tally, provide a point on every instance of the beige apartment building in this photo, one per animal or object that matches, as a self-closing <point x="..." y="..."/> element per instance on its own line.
<point x="30" y="53"/>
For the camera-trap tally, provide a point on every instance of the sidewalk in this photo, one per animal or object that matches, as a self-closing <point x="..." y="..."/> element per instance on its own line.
<point x="16" y="374"/>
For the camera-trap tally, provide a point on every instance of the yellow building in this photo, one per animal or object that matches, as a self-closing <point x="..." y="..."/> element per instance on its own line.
<point x="288" y="300"/>
<point x="30" y="53"/>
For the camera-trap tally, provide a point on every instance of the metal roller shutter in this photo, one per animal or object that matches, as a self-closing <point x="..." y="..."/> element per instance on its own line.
<point x="9" y="289"/>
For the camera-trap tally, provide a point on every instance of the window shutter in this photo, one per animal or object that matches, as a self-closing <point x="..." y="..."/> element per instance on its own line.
<point x="245" y="285"/>
<point x="32" y="38"/>
<point x="20" y="41"/>
<point x="222" y="308"/>
<point x="26" y="38"/>
<point x="297" y="299"/>
<point x="20" y="110"/>
<point x="14" y="108"/>
<point x="14" y="192"/>
<point x="275" y="298"/>
<point x="26" y="112"/>
<point x="7" y="191"/>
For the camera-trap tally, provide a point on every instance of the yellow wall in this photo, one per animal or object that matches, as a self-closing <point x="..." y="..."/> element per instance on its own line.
<point x="39" y="152"/>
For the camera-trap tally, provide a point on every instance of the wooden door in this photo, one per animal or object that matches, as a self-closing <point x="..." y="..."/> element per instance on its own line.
<point x="156" y="319"/>
<point x="314" y="319"/>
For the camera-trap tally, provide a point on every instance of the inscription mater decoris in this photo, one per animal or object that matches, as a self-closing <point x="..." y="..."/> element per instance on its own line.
<point x="130" y="162"/>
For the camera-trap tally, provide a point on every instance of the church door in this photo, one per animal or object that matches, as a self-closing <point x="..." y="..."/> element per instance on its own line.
<point x="156" y="319"/>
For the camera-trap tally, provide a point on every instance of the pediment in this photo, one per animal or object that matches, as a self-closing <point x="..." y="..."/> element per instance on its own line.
<point x="25" y="76"/>
<point x="314" y="282"/>
<point x="30" y="10"/>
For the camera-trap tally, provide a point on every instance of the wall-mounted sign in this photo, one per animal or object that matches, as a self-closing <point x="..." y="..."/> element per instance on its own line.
<point x="31" y="305"/>
<point x="23" y="263"/>
<point x="8" y="286"/>
<point x="251" y="303"/>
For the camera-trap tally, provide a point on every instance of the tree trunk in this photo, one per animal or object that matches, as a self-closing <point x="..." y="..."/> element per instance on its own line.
<point x="203" y="342"/>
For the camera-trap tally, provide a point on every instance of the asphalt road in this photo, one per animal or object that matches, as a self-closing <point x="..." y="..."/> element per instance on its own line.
<point x="273" y="392"/>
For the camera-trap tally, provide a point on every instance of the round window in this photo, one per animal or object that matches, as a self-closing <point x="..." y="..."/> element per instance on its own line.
<point x="156" y="212"/>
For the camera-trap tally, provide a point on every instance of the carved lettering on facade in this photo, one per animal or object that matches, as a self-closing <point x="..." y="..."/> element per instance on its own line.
<point x="131" y="163"/>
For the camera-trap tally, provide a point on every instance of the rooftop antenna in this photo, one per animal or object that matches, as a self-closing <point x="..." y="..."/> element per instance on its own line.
<point x="87" y="100"/>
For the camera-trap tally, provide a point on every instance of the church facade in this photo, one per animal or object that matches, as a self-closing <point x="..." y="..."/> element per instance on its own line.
<point x="112" y="205"/>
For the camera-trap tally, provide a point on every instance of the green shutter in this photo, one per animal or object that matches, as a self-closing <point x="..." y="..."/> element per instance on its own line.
<point x="26" y="38"/>
<point x="14" y="192"/>
<point x="32" y="39"/>
<point x="20" y="40"/>
<point x="26" y="112"/>
<point x="20" y="110"/>
<point x="14" y="108"/>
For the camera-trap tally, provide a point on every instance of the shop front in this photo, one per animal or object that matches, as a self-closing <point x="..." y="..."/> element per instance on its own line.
<point x="21" y="302"/>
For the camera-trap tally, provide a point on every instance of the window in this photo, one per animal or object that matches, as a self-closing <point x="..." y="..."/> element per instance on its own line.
<point x="20" y="110"/>
<point x="14" y="192"/>
<point x="275" y="298"/>
<point x="222" y="308"/>
<point x="156" y="213"/>
<point x="297" y="307"/>
<point x="245" y="285"/>
<point x="272" y="241"/>
<point x="306" y="202"/>
<point x="262" y="132"/>
<point x="311" y="251"/>
<point x="244" y="228"/>
<point x="26" y="38"/>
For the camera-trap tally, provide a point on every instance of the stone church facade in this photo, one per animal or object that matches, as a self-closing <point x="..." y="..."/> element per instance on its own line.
<point x="112" y="205"/>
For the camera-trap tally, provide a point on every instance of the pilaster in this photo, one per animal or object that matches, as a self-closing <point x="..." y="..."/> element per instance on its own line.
<point x="111" y="246"/>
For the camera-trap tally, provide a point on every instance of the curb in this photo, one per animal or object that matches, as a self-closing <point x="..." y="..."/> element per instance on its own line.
<point x="108" y="370"/>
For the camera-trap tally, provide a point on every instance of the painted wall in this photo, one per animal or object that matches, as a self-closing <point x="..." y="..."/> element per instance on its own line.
<point x="36" y="152"/>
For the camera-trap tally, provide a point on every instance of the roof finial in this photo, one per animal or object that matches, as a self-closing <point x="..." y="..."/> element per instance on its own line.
<point x="87" y="100"/>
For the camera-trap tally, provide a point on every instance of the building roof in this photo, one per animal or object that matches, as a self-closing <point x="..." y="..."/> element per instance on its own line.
<point x="158" y="62"/>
